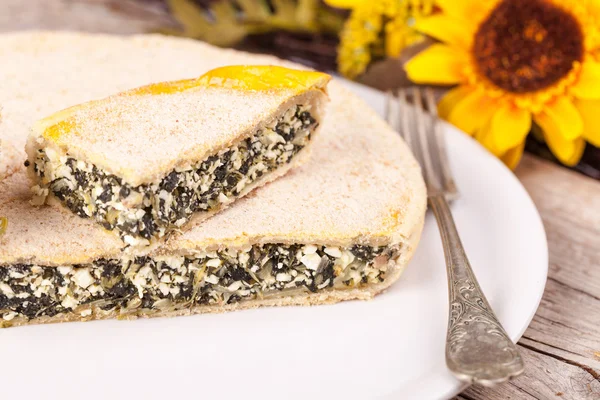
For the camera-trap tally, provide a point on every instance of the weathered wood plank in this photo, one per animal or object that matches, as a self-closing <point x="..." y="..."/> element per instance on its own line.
<point x="569" y="204"/>
<point x="560" y="353"/>
<point x="569" y="315"/>
<point x="567" y="319"/>
<point x="545" y="377"/>
<point x="562" y="345"/>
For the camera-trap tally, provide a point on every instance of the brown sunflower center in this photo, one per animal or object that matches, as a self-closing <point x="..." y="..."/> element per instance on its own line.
<point x="524" y="46"/>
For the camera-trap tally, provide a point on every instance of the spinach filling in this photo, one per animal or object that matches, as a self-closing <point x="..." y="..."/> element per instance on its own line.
<point x="143" y="285"/>
<point x="147" y="211"/>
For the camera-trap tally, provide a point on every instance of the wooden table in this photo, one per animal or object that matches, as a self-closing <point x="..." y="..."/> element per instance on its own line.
<point x="561" y="347"/>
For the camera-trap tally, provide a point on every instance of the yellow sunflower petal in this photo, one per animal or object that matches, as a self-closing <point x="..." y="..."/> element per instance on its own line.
<point x="567" y="151"/>
<point x="446" y="29"/>
<point x="471" y="112"/>
<point x="510" y="126"/>
<point x="567" y="118"/>
<point x="438" y="64"/>
<point x="513" y="156"/>
<point x="588" y="83"/>
<point x="485" y="136"/>
<point x="589" y="110"/>
<point x="451" y="99"/>
<point x="506" y="129"/>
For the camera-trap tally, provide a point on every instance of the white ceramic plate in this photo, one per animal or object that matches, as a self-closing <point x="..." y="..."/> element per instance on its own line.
<point x="389" y="348"/>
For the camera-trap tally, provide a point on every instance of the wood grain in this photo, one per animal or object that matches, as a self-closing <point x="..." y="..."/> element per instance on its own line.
<point x="545" y="378"/>
<point x="561" y="347"/>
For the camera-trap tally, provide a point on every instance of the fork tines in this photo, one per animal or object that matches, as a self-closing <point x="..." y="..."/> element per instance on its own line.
<point x="413" y="113"/>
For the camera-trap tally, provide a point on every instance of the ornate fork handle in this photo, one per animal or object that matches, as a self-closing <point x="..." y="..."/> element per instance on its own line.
<point x="478" y="350"/>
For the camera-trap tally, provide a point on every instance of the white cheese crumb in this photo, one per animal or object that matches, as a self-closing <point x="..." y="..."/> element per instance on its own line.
<point x="174" y="262"/>
<point x="83" y="278"/>
<point x="346" y="259"/>
<point x="95" y="289"/>
<point x="97" y="191"/>
<point x="213" y="262"/>
<point x="139" y="214"/>
<point x="243" y="258"/>
<point x="9" y="316"/>
<point x="130" y="240"/>
<point x="37" y="270"/>
<point x="164" y="289"/>
<point x="333" y="252"/>
<point x="309" y="249"/>
<point x="64" y="270"/>
<point x="212" y="279"/>
<point x="69" y="302"/>
<point x="7" y="290"/>
<point x="87" y="312"/>
<point x="223" y="198"/>
<point x="311" y="261"/>
<point x="283" y="277"/>
<point x="16" y="275"/>
<point x="162" y="303"/>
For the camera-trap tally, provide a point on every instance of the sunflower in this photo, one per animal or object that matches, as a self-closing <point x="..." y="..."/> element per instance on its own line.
<point x="518" y="64"/>
<point x="376" y="29"/>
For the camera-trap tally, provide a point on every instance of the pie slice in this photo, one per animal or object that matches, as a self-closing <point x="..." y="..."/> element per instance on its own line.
<point x="146" y="161"/>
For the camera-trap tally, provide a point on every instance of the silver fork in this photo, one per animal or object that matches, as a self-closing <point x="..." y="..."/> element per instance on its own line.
<point x="478" y="350"/>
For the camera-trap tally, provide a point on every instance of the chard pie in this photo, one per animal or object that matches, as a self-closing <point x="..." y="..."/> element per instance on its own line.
<point x="145" y="161"/>
<point x="342" y="226"/>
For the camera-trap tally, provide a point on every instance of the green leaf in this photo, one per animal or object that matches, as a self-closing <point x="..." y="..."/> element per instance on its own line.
<point x="254" y="10"/>
<point x="188" y="14"/>
<point x="224" y="31"/>
<point x="230" y="21"/>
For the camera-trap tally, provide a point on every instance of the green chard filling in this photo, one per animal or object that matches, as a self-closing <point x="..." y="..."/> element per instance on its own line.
<point x="144" y="285"/>
<point x="146" y="211"/>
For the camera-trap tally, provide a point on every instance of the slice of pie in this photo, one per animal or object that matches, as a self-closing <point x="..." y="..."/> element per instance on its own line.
<point x="146" y="161"/>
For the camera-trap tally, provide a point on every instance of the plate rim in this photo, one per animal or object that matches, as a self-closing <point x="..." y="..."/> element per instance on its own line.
<point x="451" y="390"/>
<point x="456" y="134"/>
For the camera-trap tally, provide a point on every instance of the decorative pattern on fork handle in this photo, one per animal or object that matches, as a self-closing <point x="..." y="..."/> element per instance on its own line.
<point x="478" y="350"/>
